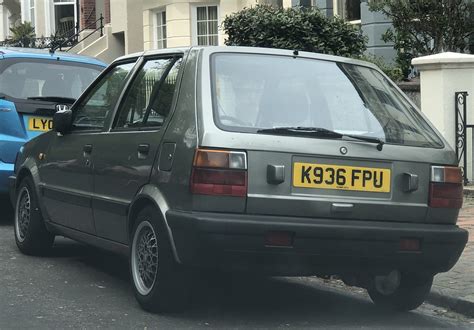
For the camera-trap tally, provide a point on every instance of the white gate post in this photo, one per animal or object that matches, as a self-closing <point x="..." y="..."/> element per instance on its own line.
<point x="441" y="76"/>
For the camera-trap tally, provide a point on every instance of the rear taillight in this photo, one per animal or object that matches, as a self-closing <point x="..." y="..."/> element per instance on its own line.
<point x="219" y="172"/>
<point x="446" y="188"/>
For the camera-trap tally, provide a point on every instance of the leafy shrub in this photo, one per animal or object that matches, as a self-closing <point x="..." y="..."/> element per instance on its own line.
<point x="23" y="34"/>
<point x="293" y="28"/>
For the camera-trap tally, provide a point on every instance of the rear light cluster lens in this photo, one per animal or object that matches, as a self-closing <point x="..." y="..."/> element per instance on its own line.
<point x="446" y="188"/>
<point x="219" y="172"/>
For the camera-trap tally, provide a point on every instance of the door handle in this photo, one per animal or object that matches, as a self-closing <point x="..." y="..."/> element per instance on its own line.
<point x="143" y="148"/>
<point x="87" y="149"/>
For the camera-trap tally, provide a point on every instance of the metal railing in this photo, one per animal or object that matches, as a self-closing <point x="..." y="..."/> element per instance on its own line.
<point x="40" y="43"/>
<point x="73" y="39"/>
<point x="460" y="101"/>
<point x="66" y="41"/>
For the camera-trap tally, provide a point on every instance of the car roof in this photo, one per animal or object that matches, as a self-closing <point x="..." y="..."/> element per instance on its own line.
<point x="13" y="52"/>
<point x="254" y="50"/>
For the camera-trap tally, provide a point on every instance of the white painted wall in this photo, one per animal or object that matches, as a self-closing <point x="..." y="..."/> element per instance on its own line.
<point x="442" y="75"/>
<point x="179" y="17"/>
<point x="127" y="18"/>
<point x="4" y="32"/>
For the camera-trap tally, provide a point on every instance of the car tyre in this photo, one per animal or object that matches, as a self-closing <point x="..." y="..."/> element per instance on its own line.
<point x="31" y="235"/>
<point x="410" y="294"/>
<point x="160" y="283"/>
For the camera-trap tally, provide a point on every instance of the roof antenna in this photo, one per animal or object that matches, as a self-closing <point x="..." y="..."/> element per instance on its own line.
<point x="295" y="53"/>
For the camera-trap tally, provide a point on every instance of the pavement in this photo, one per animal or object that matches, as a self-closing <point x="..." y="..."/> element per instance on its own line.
<point x="455" y="289"/>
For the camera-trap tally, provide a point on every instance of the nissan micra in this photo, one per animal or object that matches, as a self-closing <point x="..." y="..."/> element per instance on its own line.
<point x="245" y="159"/>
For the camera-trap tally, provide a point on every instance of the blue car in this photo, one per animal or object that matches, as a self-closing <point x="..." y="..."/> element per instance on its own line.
<point x="34" y="84"/>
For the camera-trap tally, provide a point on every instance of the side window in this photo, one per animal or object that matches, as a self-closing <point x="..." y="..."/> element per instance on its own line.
<point x="94" y="109"/>
<point x="148" y="100"/>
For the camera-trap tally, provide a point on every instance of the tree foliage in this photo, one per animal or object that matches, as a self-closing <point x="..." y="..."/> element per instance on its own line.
<point x="424" y="27"/>
<point x="23" y="34"/>
<point x="293" y="28"/>
<point x="393" y="71"/>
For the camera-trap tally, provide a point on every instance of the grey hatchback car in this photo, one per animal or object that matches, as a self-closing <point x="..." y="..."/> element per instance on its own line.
<point x="246" y="159"/>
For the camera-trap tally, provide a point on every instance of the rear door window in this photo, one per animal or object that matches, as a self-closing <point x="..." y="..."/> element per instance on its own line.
<point x="148" y="101"/>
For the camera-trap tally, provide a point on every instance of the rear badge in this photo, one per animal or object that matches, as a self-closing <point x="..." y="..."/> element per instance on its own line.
<point x="61" y="107"/>
<point x="343" y="150"/>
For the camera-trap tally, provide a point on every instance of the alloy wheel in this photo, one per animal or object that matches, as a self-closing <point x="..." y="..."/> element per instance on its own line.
<point x="144" y="257"/>
<point x="22" y="214"/>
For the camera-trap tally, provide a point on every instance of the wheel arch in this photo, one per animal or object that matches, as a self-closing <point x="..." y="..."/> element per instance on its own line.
<point x="22" y="173"/>
<point x="29" y="168"/>
<point x="150" y="195"/>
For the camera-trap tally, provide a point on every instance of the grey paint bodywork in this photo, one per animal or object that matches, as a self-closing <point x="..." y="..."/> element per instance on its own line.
<point x="123" y="183"/>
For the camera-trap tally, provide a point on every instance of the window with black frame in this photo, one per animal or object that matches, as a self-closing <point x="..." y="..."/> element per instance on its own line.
<point x="352" y="10"/>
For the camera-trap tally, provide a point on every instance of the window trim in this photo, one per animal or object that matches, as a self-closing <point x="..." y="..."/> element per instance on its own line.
<point x="32" y="8"/>
<point x="51" y="13"/>
<point x="144" y="60"/>
<point x="88" y="90"/>
<point x="340" y="9"/>
<point x="156" y="27"/>
<point x="194" y="35"/>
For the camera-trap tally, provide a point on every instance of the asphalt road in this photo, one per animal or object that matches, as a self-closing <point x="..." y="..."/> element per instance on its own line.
<point x="81" y="287"/>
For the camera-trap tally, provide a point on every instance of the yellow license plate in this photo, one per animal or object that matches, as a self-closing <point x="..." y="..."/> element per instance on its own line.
<point x="324" y="176"/>
<point x="40" y="124"/>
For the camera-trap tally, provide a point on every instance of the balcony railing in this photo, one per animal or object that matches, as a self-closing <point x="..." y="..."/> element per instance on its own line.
<point x="58" y="42"/>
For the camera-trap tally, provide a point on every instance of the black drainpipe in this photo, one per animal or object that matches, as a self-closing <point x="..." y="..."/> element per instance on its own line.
<point x="78" y="16"/>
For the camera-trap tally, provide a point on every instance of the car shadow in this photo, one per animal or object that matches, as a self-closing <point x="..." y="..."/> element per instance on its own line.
<point x="6" y="213"/>
<point x="244" y="299"/>
<point x="281" y="301"/>
<point x="103" y="261"/>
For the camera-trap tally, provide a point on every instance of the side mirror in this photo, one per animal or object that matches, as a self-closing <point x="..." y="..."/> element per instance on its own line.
<point x="62" y="121"/>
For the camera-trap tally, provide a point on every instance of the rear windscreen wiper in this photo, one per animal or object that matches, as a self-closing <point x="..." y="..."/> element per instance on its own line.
<point x="306" y="131"/>
<point x="321" y="133"/>
<point x="370" y="139"/>
<point x="58" y="99"/>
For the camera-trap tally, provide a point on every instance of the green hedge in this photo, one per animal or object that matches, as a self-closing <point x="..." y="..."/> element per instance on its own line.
<point x="293" y="28"/>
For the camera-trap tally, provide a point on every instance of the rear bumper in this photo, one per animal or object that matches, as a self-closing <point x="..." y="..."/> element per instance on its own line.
<point x="6" y="170"/>
<point x="320" y="246"/>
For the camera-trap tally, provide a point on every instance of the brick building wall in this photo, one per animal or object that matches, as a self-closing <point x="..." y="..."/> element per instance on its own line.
<point x="107" y="11"/>
<point x="88" y="14"/>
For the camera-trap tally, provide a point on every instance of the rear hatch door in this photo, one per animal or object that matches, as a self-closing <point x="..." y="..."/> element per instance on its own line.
<point x="340" y="180"/>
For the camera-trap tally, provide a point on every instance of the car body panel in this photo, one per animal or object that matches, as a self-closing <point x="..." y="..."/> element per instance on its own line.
<point x="119" y="174"/>
<point x="15" y="52"/>
<point x="67" y="181"/>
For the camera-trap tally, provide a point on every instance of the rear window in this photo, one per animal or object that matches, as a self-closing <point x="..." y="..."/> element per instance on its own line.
<point x="253" y="92"/>
<point x="42" y="78"/>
